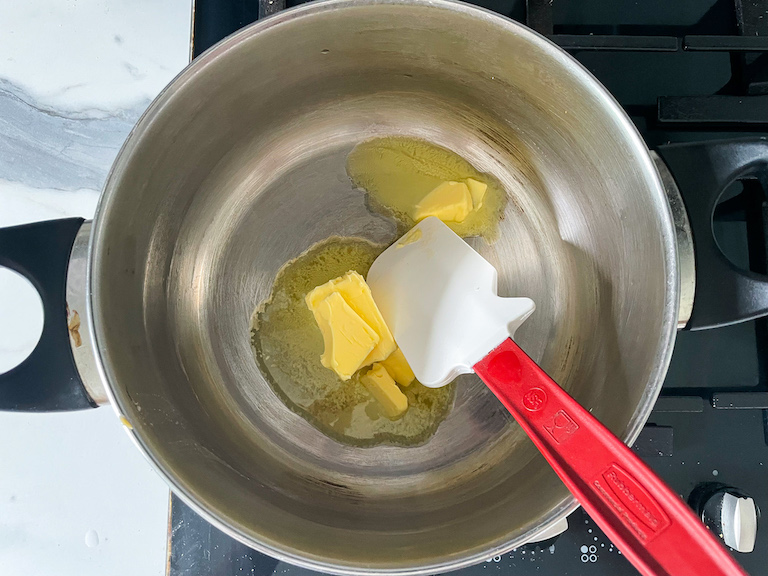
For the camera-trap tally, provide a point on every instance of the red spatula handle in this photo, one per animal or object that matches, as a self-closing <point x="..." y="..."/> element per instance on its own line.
<point x="641" y="515"/>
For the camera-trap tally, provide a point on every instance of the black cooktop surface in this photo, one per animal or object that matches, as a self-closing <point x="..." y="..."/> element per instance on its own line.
<point x="685" y="71"/>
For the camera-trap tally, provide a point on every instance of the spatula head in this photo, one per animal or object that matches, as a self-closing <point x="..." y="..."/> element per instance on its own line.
<point x="439" y="299"/>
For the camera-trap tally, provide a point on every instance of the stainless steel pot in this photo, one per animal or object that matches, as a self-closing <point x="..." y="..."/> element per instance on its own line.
<point x="239" y="165"/>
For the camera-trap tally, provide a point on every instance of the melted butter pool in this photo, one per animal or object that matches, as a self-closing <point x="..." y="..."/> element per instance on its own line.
<point x="397" y="172"/>
<point x="287" y="345"/>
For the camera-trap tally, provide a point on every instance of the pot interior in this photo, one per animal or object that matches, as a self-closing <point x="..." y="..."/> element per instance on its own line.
<point x="240" y="166"/>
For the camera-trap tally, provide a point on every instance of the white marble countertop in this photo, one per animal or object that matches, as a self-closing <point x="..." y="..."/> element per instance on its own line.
<point x="76" y="498"/>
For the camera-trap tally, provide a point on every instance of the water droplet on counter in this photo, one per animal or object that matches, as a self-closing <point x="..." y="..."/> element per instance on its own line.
<point x="91" y="538"/>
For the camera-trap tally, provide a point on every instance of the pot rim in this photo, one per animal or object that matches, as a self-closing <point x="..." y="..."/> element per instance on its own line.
<point x="611" y="106"/>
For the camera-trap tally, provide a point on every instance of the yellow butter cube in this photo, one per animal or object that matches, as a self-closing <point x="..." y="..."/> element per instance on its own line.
<point x="477" y="192"/>
<point x="381" y="386"/>
<point x="398" y="368"/>
<point x="356" y="293"/>
<point x="348" y="339"/>
<point x="450" y="201"/>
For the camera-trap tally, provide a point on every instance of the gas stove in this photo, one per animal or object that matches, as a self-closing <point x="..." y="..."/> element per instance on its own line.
<point x="685" y="71"/>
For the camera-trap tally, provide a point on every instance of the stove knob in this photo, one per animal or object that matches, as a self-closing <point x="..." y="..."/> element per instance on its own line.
<point x="728" y="512"/>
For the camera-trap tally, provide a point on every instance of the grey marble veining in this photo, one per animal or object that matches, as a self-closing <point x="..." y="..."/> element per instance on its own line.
<point x="47" y="148"/>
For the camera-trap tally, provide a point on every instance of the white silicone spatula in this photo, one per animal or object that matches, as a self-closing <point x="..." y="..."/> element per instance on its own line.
<point x="439" y="298"/>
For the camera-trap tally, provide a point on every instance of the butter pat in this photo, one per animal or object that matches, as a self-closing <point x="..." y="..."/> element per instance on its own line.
<point x="356" y="293"/>
<point x="477" y="192"/>
<point x="348" y="339"/>
<point x="398" y="368"/>
<point x="450" y="201"/>
<point x="383" y="388"/>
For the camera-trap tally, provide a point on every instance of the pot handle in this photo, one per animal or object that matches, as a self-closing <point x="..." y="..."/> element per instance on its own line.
<point x="47" y="380"/>
<point x="725" y="294"/>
